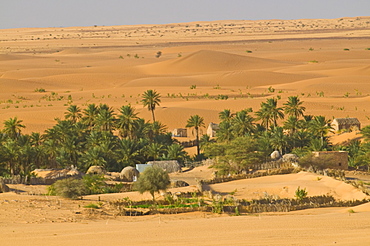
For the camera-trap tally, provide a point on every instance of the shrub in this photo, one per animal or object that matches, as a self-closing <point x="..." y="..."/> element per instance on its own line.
<point x="300" y="194"/>
<point x="346" y="49"/>
<point x="159" y="53"/>
<point x="68" y="188"/>
<point x="40" y="90"/>
<point x="92" y="205"/>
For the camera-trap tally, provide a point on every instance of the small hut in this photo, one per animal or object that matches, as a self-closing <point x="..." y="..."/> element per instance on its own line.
<point x="212" y="129"/>
<point x="96" y="170"/>
<point x="169" y="166"/>
<point x="333" y="159"/>
<point x="180" y="132"/>
<point x="129" y="174"/>
<point x="142" y="167"/>
<point x="352" y="124"/>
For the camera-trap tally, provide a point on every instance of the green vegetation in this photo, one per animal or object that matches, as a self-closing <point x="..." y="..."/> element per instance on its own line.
<point x="151" y="99"/>
<point x="314" y="61"/>
<point x="196" y="122"/>
<point x="152" y="180"/>
<point x="74" y="188"/>
<point x="248" y="51"/>
<point x="92" y="205"/>
<point x="94" y="135"/>
<point x="346" y="49"/>
<point x="40" y="90"/>
<point x="300" y="194"/>
<point x="68" y="188"/>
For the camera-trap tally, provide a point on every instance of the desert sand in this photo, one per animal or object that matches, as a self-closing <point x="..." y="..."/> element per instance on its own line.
<point x="325" y="62"/>
<point x="27" y="218"/>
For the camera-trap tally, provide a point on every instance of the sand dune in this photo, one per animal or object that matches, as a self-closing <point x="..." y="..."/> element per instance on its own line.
<point x="204" y="61"/>
<point x="284" y="186"/>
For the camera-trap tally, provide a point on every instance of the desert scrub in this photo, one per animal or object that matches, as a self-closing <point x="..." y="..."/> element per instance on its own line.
<point x="68" y="188"/>
<point x="92" y="205"/>
<point x="300" y="194"/>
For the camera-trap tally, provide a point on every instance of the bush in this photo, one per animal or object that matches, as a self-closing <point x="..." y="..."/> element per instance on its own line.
<point x="300" y="194"/>
<point x="152" y="180"/>
<point x="68" y="188"/>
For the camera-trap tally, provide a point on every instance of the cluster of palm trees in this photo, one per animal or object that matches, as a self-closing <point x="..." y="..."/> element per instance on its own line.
<point x="286" y="129"/>
<point x="95" y="135"/>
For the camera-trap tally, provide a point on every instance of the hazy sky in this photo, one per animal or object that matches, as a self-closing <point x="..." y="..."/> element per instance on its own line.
<point x="64" y="13"/>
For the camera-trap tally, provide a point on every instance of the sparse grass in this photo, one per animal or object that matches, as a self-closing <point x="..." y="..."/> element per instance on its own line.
<point x="193" y="87"/>
<point x="39" y="90"/>
<point x="92" y="205"/>
<point x="314" y="61"/>
<point x="351" y="211"/>
<point x="248" y="51"/>
<point x="346" y="49"/>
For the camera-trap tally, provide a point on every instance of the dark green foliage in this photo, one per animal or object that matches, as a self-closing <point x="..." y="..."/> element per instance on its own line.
<point x="152" y="180"/>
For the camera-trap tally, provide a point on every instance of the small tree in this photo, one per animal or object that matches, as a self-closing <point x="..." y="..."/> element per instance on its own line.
<point x="153" y="179"/>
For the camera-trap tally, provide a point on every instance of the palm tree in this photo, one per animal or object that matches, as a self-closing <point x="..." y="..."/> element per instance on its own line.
<point x="279" y="140"/>
<point x="151" y="99"/>
<point x="196" y="122"/>
<point x="12" y="127"/>
<point x="225" y="132"/>
<point x="269" y="113"/>
<point x="126" y="121"/>
<point x="225" y="115"/>
<point x="242" y="124"/>
<point x="89" y="115"/>
<point x="93" y="157"/>
<point x="105" y="119"/>
<point x="175" y="152"/>
<point x="155" y="150"/>
<point x="291" y="124"/>
<point x="320" y="127"/>
<point x="128" y="153"/>
<point x="73" y="113"/>
<point x="293" y="107"/>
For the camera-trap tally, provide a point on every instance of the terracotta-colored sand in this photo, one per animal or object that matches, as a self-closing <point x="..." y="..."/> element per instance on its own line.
<point x="325" y="62"/>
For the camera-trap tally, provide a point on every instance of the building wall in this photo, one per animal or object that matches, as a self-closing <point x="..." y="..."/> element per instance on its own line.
<point x="337" y="126"/>
<point x="180" y="132"/>
<point x="334" y="159"/>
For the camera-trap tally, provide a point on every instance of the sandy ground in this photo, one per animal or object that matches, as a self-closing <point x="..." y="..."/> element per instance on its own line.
<point x="27" y="218"/>
<point x="325" y="62"/>
<point x="239" y="59"/>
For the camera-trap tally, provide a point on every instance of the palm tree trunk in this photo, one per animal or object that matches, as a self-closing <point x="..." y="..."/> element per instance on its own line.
<point x="153" y="115"/>
<point x="197" y="139"/>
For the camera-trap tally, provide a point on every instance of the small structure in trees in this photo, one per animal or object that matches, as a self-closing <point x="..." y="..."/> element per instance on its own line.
<point x="141" y="167"/>
<point x="275" y="155"/>
<point x="352" y="124"/>
<point x="212" y="129"/>
<point x="171" y="166"/>
<point x="331" y="159"/>
<point x="96" y="170"/>
<point x="129" y="174"/>
<point x="180" y="132"/>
